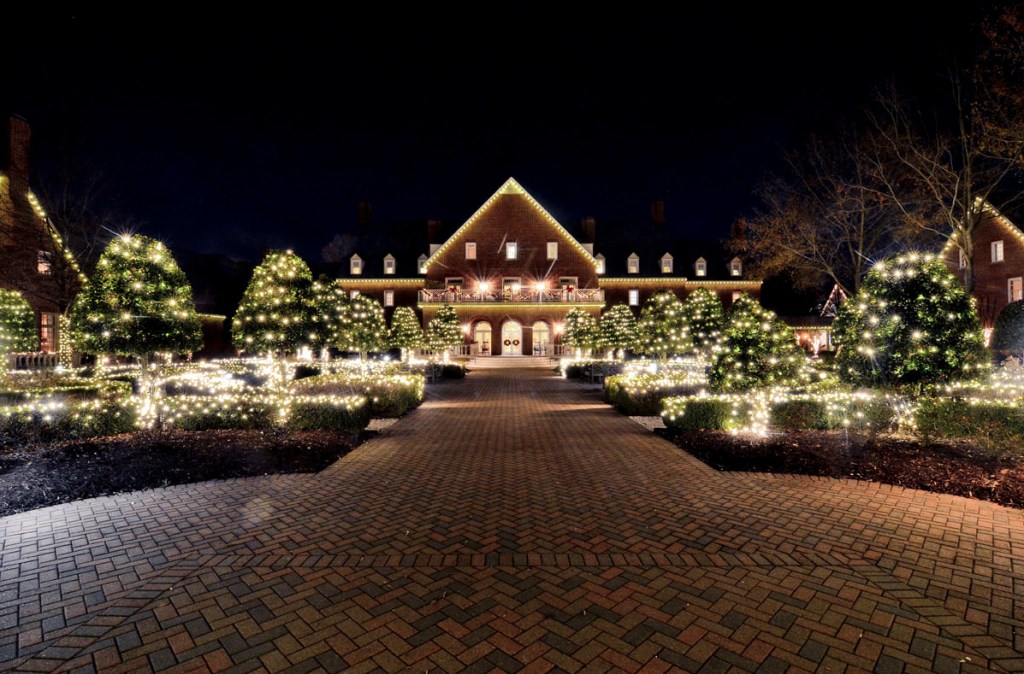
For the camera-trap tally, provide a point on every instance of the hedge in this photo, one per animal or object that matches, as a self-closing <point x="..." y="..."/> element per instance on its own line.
<point x="641" y="396"/>
<point x="55" y="420"/>
<point x="691" y="413"/>
<point x="390" y="396"/>
<point x="997" y="426"/>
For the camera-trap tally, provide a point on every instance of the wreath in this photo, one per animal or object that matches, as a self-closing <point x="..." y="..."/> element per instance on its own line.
<point x="509" y="341"/>
<point x="515" y="342"/>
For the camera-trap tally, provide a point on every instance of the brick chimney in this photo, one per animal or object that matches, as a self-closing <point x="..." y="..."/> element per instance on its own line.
<point x="364" y="213"/>
<point x="658" y="212"/>
<point x="433" y="227"/>
<point x="588" y="227"/>
<point x="18" y="137"/>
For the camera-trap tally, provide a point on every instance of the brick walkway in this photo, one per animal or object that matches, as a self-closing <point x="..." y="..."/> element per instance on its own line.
<point x="515" y="523"/>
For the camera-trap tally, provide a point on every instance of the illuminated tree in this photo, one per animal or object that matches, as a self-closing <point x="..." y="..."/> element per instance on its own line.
<point x="662" y="328"/>
<point x="406" y="333"/>
<point x="368" y="330"/>
<point x="618" y="330"/>
<point x="581" y="331"/>
<point x="331" y="318"/>
<point x="1008" y="334"/>
<point x="444" y="331"/>
<point x="17" y="327"/>
<point x="912" y="323"/>
<point x="758" y="349"/>
<point x="275" y="314"/>
<point x="138" y="302"/>
<point x="705" y="317"/>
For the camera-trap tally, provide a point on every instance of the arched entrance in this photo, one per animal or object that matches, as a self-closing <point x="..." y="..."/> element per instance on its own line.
<point x="511" y="339"/>
<point x="541" y="339"/>
<point x="482" y="337"/>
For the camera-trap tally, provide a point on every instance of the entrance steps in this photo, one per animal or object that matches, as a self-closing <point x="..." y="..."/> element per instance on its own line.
<point x="497" y="362"/>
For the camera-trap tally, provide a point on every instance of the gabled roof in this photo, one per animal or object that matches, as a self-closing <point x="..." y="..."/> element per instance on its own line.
<point x="994" y="216"/>
<point x="510" y="187"/>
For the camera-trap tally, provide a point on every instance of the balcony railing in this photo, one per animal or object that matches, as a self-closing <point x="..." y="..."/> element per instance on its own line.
<point x="558" y="296"/>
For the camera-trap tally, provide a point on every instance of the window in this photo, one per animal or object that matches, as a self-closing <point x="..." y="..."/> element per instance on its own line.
<point x="997" y="251"/>
<point x="389" y="265"/>
<point x="389" y="298"/>
<point x="735" y="267"/>
<point x="511" y="250"/>
<point x="453" y="282"/>
<point x="1015" y="289"/>
<point x="666" y="264"/>
<point x="44" y="262"/>
<point x="600" y="263"/>
<point x="633" y="264"/>
<point x="421" y="262"/>
<point x="356" y="265"/>
<point x="736" y="294"/>
<point x="471" y="250"/>
<point x="352" y="294"/>
<point x="700" y="267"/>
<point x="962" y="258"/>
<point x="634" y="297"/>
<point x="552" y="250"/>
<point x="48" y="332"/>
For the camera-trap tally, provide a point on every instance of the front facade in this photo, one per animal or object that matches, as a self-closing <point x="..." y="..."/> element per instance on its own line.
<point x="512" y="272"/>
<point x="998" y="265"/>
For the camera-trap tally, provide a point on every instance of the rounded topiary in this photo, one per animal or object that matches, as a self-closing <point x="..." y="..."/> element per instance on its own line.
<point x="581" y="331"/>
<point x="276" y="310"/>
<point x="758" y="349"/>
<point x="705" y="317"/>
<point x="911" y="323"/>
<point x="1008" y="334"/>
<point x="17" y="324"/>
<point x="618" y="329"/>
<point x="662" y="330"/>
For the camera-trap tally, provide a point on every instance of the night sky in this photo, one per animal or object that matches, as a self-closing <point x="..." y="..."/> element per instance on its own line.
<point x="258" y="133"/>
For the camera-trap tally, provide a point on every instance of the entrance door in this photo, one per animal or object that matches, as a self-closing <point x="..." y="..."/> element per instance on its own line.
<point x="512" y="339"/>
<point x="541" y="339"/>
<point x="482" y="335"/>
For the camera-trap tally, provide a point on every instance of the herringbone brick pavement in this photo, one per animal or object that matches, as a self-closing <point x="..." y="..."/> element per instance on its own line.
<point x="515" y="523"/>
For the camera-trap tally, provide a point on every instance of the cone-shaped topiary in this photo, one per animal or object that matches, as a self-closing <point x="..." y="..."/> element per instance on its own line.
<point x="581" y="331"/>
<point x="705" y="316"/>
<point x="911" y="323"/>
<point x="444" y="330"/>
<point x="369" y="330"/>
<point x="758" y="349"/>
<point x="331" y="317"/>
<point x="405" y="333"/>
<point x="618" y="329"/>
<point x="276" y="310"/>
<point x="137" y="302"/>
<point x="17" y="325"/>
<point x="662" y="328"/>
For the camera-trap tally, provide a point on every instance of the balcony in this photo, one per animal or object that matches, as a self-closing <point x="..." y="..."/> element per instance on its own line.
<point x="522" y="296"/>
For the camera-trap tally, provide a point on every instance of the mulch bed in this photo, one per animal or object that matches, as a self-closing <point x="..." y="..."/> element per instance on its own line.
<point x="958" y="469"/>
<point x="35" y="477"/>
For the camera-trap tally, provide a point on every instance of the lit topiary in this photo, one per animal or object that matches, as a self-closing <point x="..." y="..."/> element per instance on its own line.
<point x="17" y="326"/>
<point x="581" y="331"/>
<point x="444" y="331"/>
<point x="758" y="349"/>
<point x="662" y="329"/>
<point x="618" y="329"/>
<point x="331" y="317"/>
<point x="138" y="302"/>
<point x="1008" y="334"/>
<point x="405" y="333"/>
<point x="275" y="313"/>
<point x="705" y="316"/>
<point x="369" y="330"/>
<point x="911" y="323"/>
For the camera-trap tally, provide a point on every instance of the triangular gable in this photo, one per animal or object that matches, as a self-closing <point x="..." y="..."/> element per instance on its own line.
<point x="510" y="187"/>
<point x="994" y="215"/>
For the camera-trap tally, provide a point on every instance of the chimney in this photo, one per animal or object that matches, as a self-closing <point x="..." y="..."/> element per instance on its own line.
<point x="433" y="227"/>
<point x="364" y="213"/>
<point x="658" y="212"/>
<point x="19" y="135"/>
<point x="588" y="228"/>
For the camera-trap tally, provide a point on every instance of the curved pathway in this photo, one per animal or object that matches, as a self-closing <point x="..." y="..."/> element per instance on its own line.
<point x="514" y="522"/>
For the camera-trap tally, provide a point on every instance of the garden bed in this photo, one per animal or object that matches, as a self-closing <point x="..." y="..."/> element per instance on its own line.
<point x="948" y="468"/>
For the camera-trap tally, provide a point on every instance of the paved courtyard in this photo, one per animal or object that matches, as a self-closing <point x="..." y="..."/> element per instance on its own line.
<point x="514" y="522"/>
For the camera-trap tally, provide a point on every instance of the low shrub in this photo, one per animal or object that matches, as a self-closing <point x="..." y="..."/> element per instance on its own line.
<point x="691" y="413"/>
<point x="203" y="413"/>
<point x="997" y="426"/>
<point x="349" y="414"/>
<point x="67" y="391"/>
<point x="390" y="396"/>
<point x="453" y="371"/>
<point x="801" y="414"/>
<point x="641" y="395"/>
<point x="55" y="420"/>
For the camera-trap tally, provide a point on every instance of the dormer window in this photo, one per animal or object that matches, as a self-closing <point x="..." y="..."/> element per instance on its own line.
<point x="421" y="264"/>
<point x="700" y="267"/>
<point x="633" y="264"/>
<point x="600" y="263"/>
<point x="389" y="264"/>
<point x="355" y="265"/>
<point x="511" y="250"/>
<point x="471" y="250"/>
<point x="735" y="267"/>
<point x="666" y="264"/>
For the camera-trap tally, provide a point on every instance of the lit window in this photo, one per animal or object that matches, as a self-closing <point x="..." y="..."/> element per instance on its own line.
<point x="700" y="267"/>
<point x="735" y="267"/>
<point x="1015" y="289"/>
<point x="666" y="264"/>
<point x="736" y="294"/>
<point x="552" y="250"/>
<point x="44" y="262"/>
<point x="352" y="294"/>
<point x="422" y="262"/>
<point x="963" y="259"/>
<point x="389" y="298"/>
<point x="471" y="250"/>
<point x="600" y="264"/>
<point x="633" y="264"/>
<point x="48" y="332"/>
<point x="634" y="297"/>
<point x="356" y="265"/>
<point x="997" y="251"/>
<point x="510" y="250"/>
<point x="389" y="265"/>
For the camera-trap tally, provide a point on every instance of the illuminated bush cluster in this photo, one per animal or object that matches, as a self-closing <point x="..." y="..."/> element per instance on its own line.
<point x="662" y="330"/>
<point x="581" y="331"/>
<point x="275" y="314"/>
<point x="618" y="329"/>
<point x="705" y="318"/>
<point x="17" y="325"/>
<point x="388" y="396"/>
<point x="758" y="349"/>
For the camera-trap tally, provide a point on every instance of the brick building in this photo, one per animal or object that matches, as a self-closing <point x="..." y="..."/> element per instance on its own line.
<point x="32" y="259"/>
<point x="998" y="265"/>
<point x="513" y="272"/>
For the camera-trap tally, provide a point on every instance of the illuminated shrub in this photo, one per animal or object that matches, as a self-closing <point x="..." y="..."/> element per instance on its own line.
<point x="349" y="414"/>
<point x="662" y="330"/>
<point x="705" y="317"/>
<point x="55" y="420"/>
<point x="204" y="413"/>
<point x="1008" y="335"/>
<point x="17" y="325"/>
<point x="388" y="396"/>
<point x="912" y="324"/>
<point x="641" y="395"/>
<point x="69" y="391"/>
<point x="801" y="415"/>
<point x="685" y="413"/>
<point x="582" y="331"/>
<point x="275" y="314"/>
<point x="618" y="329"/>
<point x="758" y="349"/>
